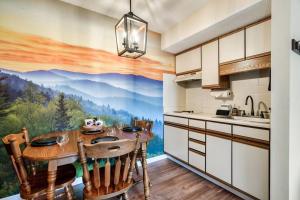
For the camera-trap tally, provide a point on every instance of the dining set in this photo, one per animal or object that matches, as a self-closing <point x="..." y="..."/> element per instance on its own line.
<point x="108" y="160"/>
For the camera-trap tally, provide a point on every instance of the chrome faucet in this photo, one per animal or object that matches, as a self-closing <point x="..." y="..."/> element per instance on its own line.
<point x="265" y="113"/>
<point x="252" y="106"/>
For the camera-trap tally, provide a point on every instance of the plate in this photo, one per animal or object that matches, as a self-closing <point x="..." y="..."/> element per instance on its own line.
<point x="133" y="129"/>
<point x="92" y="132"/>
<point x="92" y="128"/>
<point x="44" y="142"/>
<point x="104" y="139"/>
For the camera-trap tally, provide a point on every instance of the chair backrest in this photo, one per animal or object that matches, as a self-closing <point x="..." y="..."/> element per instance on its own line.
<point x="145" y="124"/>
<point x="121" y="152"/>
<point x="12" y="144"/>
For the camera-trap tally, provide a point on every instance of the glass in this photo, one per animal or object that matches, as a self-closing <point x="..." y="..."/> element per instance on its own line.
<point x="120" y="126"/>
<point x="63" y="139"/>
<point x="111" y="131"/>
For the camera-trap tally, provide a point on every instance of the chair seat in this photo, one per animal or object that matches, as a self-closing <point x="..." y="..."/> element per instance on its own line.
<point x="102" y="192"/>
<point x="38" y="183"/>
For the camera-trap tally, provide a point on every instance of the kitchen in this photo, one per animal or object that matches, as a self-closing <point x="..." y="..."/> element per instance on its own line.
<point x="230" y="144"/>
<point x="141" y="99"/>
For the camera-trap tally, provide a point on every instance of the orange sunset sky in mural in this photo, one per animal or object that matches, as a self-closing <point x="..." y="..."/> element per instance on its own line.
<point x="25" y="52"/>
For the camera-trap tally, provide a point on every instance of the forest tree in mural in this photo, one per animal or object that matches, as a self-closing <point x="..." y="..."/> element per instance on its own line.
<point x="53" y="80"/>
<point x="49" y="104"/>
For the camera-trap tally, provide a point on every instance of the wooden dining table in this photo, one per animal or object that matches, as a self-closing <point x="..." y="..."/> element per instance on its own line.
<point x="57" y="155"/>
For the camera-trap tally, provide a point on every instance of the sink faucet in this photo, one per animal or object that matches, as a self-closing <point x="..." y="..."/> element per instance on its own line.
<point x="260" y="112"/>
<point x="252" y="106"/>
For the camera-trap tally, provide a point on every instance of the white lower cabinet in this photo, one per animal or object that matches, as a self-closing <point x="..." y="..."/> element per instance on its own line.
<point x="250" y="168"/>
<point x="197" y="160"/>
<point x="176" y="142"/>
<point x="218" y="158"/>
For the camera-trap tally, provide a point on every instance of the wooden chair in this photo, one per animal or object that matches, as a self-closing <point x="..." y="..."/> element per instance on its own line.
<point x="115" y="178"/>
<point x="146" y="125"/>
<point x="33" y="182"/>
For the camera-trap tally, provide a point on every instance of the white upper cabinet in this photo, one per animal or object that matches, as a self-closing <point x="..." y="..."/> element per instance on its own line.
<point x="258" y="38"/>
<point x="232" y="47"/>
<point x="188" y="61"/>
<point x="210" y="64"/>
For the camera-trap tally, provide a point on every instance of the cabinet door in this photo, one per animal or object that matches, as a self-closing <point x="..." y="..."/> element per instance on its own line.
<point x="218" y="157"/>
<point x="188" y="61"/>
<point x="232" y="47"/>
<point x="176" y="142"/>
<point x="258" y="39"/>
<point x="210" y="64"/>
<point x="250" y="168"/>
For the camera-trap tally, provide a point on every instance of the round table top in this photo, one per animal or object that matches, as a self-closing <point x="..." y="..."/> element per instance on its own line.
<point x="69" y="149"/>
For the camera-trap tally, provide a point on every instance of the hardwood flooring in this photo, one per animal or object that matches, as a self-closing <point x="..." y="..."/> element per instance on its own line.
<point x="170" y="181"/>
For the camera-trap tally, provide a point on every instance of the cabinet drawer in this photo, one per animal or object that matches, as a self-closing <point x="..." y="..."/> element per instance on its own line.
<point x="214" y="126"/>
<point x="197" y="160"/>
<point x="255" y="133"/>
<point x="197" y="146"/>
<point x="177" y="120"/>
<point x="197" y="124"/>
<point x="197" y="136"/>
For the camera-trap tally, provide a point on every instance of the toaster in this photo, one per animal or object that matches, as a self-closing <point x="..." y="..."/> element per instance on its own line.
<point x="224" y="111"/>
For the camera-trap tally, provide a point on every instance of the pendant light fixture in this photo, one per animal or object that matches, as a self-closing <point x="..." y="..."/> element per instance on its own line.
<point x="131" y="35"/>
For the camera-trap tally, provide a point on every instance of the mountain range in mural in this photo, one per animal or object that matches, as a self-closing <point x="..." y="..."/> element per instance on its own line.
<point x="119" y="91"/>
<point x="39" y="74"/>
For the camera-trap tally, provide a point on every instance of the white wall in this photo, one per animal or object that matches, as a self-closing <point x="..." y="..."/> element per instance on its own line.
<point x="256" y="82"/>
<point x="285" y="137"/>
<point x="280" y="100"/>
<point x="294" y="148"/>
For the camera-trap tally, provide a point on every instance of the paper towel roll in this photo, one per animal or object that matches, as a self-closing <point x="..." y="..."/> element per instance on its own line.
<point x="221" y="94"/>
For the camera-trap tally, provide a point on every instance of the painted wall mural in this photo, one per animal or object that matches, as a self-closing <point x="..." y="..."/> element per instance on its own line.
<point x="38" y="70"/>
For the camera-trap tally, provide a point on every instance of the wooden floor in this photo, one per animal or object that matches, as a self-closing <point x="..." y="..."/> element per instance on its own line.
<point x="170" y="181"/>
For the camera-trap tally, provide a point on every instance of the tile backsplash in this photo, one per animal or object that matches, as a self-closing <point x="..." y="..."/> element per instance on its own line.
<point x="251" y="83"/>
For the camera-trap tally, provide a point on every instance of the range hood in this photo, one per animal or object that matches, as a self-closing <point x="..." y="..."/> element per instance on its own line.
<point x="189" y="77"/>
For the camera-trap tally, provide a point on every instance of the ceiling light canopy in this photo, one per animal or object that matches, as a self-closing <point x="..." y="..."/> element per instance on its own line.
<point x="131" y="35"/>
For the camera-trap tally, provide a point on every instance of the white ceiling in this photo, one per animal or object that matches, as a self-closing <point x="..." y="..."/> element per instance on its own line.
<point x="160" y="14"/>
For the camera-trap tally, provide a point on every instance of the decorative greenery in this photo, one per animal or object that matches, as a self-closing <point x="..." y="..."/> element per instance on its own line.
<point x="42" y="110"/>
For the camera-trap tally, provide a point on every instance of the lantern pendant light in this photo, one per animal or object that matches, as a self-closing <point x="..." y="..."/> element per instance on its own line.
<point x="131" y="35"/>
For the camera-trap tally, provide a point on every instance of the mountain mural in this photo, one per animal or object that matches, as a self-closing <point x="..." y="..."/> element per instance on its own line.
<point x="98" y="92"/>
<point x="45" y="75"/>
<point x="133" y="83"/>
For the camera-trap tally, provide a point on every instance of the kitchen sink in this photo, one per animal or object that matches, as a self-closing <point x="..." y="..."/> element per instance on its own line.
<point x="247" y="119"/>
<point x="253" y="119"/>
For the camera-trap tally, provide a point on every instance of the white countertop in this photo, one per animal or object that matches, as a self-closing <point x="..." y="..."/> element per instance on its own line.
<point x="210" y="117"/>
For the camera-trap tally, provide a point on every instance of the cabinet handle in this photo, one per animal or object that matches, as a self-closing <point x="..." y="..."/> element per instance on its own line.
<point x="296" y="46"/>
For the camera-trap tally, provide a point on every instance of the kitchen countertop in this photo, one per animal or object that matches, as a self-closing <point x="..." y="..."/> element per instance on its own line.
<point x="210" y="117"/>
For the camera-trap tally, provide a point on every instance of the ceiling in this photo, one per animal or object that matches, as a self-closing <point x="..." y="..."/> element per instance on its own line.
<point x="160" y="14"/>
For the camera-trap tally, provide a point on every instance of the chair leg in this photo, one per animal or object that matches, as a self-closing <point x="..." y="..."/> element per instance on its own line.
<point x="137" y="168"/>
<point x="125" y="196"/>
<point x="69" y="192"/>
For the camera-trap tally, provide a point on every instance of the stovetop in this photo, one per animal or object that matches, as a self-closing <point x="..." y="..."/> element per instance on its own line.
<point x="184" y="111"/>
